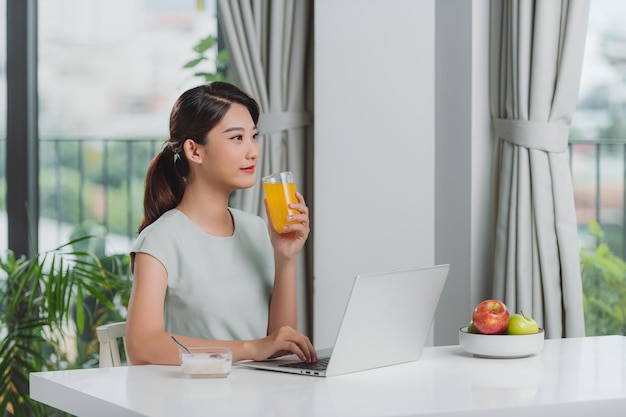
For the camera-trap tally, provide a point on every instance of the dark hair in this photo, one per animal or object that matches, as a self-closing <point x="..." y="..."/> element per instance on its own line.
<point x="194" y="114"/>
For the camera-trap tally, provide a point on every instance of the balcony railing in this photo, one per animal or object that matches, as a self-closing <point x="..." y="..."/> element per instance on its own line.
<point x="599" y="174"/>
<point x="108" y="188"/>
<point x="91" y="181"/>
<point x="101" y="180"/>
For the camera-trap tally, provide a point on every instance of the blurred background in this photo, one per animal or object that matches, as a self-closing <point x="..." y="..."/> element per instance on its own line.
<point x="108" y="75"/>
<point x="109" y="72"/>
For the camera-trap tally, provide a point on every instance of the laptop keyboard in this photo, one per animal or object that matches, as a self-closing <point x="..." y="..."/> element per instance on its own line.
<point x="320" y="365"/>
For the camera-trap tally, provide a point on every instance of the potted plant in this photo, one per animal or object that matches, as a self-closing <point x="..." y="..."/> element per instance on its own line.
<point x="604" y="286"/>
<point x="42" y="299"/>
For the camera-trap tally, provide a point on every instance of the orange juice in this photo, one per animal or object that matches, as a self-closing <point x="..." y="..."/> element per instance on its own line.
<point x="279" y="195"/>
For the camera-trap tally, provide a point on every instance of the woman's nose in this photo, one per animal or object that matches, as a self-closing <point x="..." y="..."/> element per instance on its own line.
<point x="253" y="150"/>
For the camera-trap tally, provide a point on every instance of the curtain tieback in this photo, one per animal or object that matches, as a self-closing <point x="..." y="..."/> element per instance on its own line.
<point x="545" y="136"/>
<point x="279" y="121"/>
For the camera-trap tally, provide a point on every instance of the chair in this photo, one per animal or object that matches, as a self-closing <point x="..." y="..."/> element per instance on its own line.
<point x="108" y="336"/>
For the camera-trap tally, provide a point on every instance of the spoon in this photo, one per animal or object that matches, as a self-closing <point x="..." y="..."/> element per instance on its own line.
<point x="183" y="347"/>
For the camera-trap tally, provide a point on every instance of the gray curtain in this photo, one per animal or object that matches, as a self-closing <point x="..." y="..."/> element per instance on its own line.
<point x="536" y="59"/>
<point x="269" y="44"/>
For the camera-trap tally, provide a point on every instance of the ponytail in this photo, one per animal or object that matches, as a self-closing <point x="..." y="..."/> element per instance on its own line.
<point x="164" y="185"/>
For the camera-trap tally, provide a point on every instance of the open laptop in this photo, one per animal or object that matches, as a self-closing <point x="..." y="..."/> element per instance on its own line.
<point x="386" y="322"/>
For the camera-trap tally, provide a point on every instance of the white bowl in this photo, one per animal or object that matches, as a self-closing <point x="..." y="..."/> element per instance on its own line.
<point x="206" y="362"/>
<point x="501" y="345"/>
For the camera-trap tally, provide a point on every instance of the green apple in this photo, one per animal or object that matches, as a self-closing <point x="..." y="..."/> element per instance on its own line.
<point x="471" y="328"/>
<point x="521" y="324"/>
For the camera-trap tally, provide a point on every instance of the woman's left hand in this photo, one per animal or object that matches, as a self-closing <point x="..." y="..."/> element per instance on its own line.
<point x="289" y="243"/>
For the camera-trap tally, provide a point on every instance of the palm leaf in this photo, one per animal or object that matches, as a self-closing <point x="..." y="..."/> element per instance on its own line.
<point x="37" y="298"/>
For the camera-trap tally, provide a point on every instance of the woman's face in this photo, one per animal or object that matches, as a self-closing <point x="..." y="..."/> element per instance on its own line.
<point x="231" y="152"/>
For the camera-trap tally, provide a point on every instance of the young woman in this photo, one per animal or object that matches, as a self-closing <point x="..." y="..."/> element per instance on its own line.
<point x="209" y="274"/>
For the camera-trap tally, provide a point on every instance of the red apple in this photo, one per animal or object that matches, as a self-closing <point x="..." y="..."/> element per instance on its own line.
<point x="491" y="317"/>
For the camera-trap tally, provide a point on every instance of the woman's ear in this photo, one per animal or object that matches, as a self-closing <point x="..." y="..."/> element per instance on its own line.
<point x="192" y="151"/>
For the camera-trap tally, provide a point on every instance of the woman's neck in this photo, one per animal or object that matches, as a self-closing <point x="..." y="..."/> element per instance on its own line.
<point x="208" y="211"/>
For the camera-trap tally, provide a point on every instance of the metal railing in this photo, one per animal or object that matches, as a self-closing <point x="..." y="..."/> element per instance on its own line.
<point x="101" y="180"/>
<point x="599" y="175"/>
<point x="88" y="181"/>
<point x="94" y="181"/>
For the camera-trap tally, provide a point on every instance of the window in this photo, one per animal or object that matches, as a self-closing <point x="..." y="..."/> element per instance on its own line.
<point x="598" y="157"/>
<point x="109" y="72"/>
<point x="3" y="124"/>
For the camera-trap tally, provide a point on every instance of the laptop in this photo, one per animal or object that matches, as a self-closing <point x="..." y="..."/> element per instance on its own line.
<point x="386" y="322"/>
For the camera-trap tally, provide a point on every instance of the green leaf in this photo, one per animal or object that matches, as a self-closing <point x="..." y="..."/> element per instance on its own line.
<point x="80" y="312"/>
<point x="595" y="230"/>
<point x="222" y="56"/>
<point x="194" y="62"/>
<point x="205" y="44"/>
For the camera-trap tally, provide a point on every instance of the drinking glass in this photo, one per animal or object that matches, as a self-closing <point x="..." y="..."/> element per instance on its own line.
<point x="280" y="191"/>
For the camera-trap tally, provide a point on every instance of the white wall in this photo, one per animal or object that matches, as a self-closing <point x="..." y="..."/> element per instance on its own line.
<point x="374" y="146"/>
<point x="453" y="168"/>
<point x="464" y="210"/>
<point x="402" y="155"/>
<point x="482" y="156"/>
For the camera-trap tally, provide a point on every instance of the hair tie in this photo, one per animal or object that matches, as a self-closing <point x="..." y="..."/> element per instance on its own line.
<point x="171" y="146"/>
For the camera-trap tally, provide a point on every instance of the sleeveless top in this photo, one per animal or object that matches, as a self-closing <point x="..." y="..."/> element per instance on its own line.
<point x="218" y="288"/>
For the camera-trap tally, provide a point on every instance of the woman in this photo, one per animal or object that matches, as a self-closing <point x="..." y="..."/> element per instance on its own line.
<point x="209" y="274"/>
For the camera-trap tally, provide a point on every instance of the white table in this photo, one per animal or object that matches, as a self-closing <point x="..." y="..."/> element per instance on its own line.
<point x="570" y="377"/>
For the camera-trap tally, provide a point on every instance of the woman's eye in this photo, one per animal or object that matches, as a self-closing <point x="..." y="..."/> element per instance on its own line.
<point x="255" y="136"/>
<point x="238" y="137"/>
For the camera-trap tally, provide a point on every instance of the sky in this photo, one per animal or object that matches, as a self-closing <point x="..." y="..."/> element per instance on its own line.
<point x="604" y="16"/>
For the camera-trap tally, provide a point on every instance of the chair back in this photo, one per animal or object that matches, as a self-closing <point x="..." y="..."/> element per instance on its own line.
<point x="108" y="337"/>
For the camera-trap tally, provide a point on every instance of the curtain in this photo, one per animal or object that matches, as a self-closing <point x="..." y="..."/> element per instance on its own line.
<point x="536" y="60"/>
<point x="269" y="45"/>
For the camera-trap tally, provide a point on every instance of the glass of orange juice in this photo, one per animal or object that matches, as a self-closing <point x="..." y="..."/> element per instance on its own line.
<point x="280" y="191"/>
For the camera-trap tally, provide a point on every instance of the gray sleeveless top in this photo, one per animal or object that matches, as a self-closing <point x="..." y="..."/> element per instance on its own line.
<point x="217" y="287"/>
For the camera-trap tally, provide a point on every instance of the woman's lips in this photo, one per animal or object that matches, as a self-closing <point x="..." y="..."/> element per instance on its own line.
<point x="248" y="169"/>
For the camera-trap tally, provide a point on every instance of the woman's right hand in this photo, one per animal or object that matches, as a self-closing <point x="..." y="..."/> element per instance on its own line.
<point x="284" y="341"/>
